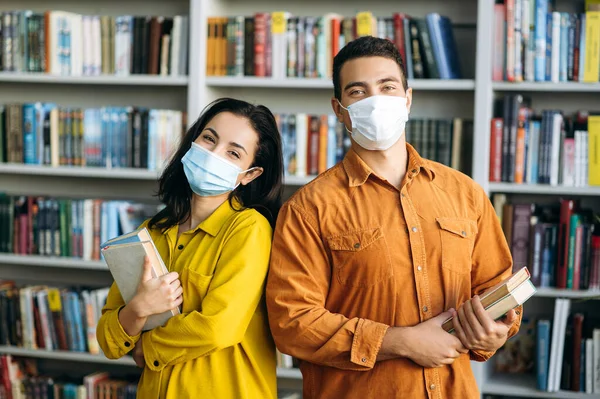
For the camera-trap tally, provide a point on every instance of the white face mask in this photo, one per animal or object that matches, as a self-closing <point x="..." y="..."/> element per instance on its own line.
<point x="378" y="121"/>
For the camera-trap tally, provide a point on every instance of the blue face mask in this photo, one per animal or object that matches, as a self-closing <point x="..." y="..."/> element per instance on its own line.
<point x="208" y="174"/>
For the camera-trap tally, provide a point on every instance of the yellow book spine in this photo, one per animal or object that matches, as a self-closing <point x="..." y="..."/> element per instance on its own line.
<point x="364" y="24"/>
<point x="591" y="71"/>
<point x="594" y="150"/>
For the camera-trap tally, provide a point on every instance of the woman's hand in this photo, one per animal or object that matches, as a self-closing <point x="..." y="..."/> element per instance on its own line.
<point x="138" y="355"/>
<point x="156" y="295"/>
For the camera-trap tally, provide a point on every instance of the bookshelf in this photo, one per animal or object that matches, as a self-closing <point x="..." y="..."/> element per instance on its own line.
<point x="325" y="84"/>
<point x="291" y="374"/>
<point x="131" y="80"/>
<point x="472" y="98"/>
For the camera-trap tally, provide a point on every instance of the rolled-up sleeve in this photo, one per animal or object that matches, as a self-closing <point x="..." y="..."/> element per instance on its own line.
<point x="297" y="288"/>
<point x="492" y="261"/>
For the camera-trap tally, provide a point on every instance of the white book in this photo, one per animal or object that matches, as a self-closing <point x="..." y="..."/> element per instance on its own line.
<point x="279" y="46"/>
<point x="596" y="365"/>
<point x="526" y="25"/>
<point x="183" y="46"/>
<point x="585" y="157"/>
<point x="577" y="169"/>
<point x="175" y="45"/>
<point x="96" y="46"/>
<point x="76" y="45"/>
<point x="552" y="368"/>
<point x="555" y="64"/>
<point x="301" y="144"/>
<point x="124" y="256"/>
<point x="589" y="366"/>
<point x="87" y="61"/>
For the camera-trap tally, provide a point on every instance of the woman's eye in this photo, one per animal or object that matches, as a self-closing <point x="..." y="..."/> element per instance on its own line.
<point x="209" y="139"/>
<point x="234" y="154"/>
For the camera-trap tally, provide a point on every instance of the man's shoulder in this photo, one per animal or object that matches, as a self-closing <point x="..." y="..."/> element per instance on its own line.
<point x="325" y="188"/>
<point x="452" y="180"/>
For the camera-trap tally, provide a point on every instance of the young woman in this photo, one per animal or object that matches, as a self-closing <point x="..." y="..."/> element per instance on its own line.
<point x="222" y="192"/>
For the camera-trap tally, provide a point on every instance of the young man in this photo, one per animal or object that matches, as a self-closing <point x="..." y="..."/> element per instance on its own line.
<point x="374" y="255"/>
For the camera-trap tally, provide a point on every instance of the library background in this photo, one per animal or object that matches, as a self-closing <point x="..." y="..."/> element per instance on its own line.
<point x="95" y="94"/>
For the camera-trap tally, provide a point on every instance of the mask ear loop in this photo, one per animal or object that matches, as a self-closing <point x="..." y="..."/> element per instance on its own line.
<point x="349" y="132"/>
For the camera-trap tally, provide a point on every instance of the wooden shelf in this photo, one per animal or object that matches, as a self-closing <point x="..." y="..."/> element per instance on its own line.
<point x="52" y="261"/>
<point x="574" y="87"/>
<point x="83" y="357"/>
<point x="543" y="189"/>
<point x="524" y="385"/>
<point x="326" y="84"/>
<point x="574" y="294"/>
<point x="112" y="80"/>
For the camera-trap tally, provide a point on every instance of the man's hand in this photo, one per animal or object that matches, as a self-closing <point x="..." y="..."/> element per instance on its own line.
<point x="477" y="330"/>
<point x="430" y="345"/>
<point x="138" y="354"/>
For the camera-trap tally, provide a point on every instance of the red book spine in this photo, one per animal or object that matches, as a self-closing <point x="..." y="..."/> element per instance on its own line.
<point x="496" y="150"/>
<point x="260" y="39"/>
<point x="399" y="34"/>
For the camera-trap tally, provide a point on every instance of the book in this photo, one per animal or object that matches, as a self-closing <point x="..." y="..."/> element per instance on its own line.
<point x="504" y="296"/>
<point x="125" y="257"/>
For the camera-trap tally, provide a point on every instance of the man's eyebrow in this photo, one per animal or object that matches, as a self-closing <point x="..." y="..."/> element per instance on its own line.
<point x="355" y="84"/>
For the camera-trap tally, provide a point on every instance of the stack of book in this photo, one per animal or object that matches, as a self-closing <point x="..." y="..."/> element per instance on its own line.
<point x="280" y="45"/>
<point x="551" y="148"/>
<point x="70" y="44"/>
<point x="504" y="296"/>
<point x="533" y="41"/>
<point x="109" y="137"/>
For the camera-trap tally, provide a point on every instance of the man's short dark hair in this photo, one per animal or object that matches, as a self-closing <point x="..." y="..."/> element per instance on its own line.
<point x="366" y="46"/>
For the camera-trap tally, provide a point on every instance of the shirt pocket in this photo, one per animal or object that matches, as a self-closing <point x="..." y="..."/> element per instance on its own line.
<point x="458" y="238"/>
<point x="360" y="258"/>
<point x="195" y="286"/>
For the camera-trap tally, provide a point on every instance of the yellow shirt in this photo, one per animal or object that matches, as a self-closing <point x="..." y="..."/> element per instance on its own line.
<point x="220" y="346"/>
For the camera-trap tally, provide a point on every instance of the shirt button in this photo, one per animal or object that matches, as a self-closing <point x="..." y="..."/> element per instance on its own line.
<point x="402" y="195"/>
<point x="357" y="245"/>
<point x="364" y="360"/>
<point x="425" y="309"/>
<point x="156" y="363"/>
<point x="419" y="268"/>
<point x="464" y="234"/>
<point x="127" y="344"/>
<point x="414" y="229"/>
<point x="432" y="387"/>
<point x="180" y="247"/>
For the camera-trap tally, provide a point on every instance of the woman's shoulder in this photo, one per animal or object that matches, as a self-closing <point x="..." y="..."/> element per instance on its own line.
<point x="250" y="218"/>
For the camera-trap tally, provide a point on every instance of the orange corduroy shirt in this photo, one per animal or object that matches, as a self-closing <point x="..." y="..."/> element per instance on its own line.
<point x="353" y="255"/>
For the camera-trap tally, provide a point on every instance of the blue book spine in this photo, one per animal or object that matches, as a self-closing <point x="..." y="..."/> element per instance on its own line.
<point x="572" y="19"/>
<point x="105" y="137"/>
<point x="582" y="367"/>
<point x="114" y="137"/>
<point x="541" y="15"/>
<point x="582" y="48"/>
<point x="407" y="45"/>
<point x="437" y="43"/>
<point x="564" y="46"/>
<point x="123" y="137"/>
<point x="535" y="152"/>
<point x="68" y="317"/>
<point x="543" y="356"/>
<point x="331" y="141"/>
<point x="546" y="258"/>
<point x="88" y="131"/>
<point x="29" y="133"/>
<point x="527" y="129"/>
<point x="549" y="45"/>
<point x="78" y="322"/>
<point x="152" y="138"/>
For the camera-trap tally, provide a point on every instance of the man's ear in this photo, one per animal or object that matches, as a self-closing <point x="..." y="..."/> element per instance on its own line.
<point x="337" y="109"/>
<point x="409" y="99"/>
<point x="251" y="175"/>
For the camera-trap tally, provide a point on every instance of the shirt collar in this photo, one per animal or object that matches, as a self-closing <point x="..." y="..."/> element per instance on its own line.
<point x="358" y="171"/>
<point x="213" y="224"/>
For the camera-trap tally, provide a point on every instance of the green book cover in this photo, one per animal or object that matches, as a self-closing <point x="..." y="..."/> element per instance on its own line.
<point x="574" y="222"/>
<point x="64" y="228"/>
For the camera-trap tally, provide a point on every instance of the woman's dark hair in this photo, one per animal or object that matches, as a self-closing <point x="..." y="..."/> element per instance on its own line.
<point x="263" y="193"/>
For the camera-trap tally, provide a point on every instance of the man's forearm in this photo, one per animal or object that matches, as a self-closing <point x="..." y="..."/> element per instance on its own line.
<point x="395" y="344"/>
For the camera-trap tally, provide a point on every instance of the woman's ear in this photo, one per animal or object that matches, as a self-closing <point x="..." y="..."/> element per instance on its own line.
<point x="251" y="175"/>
